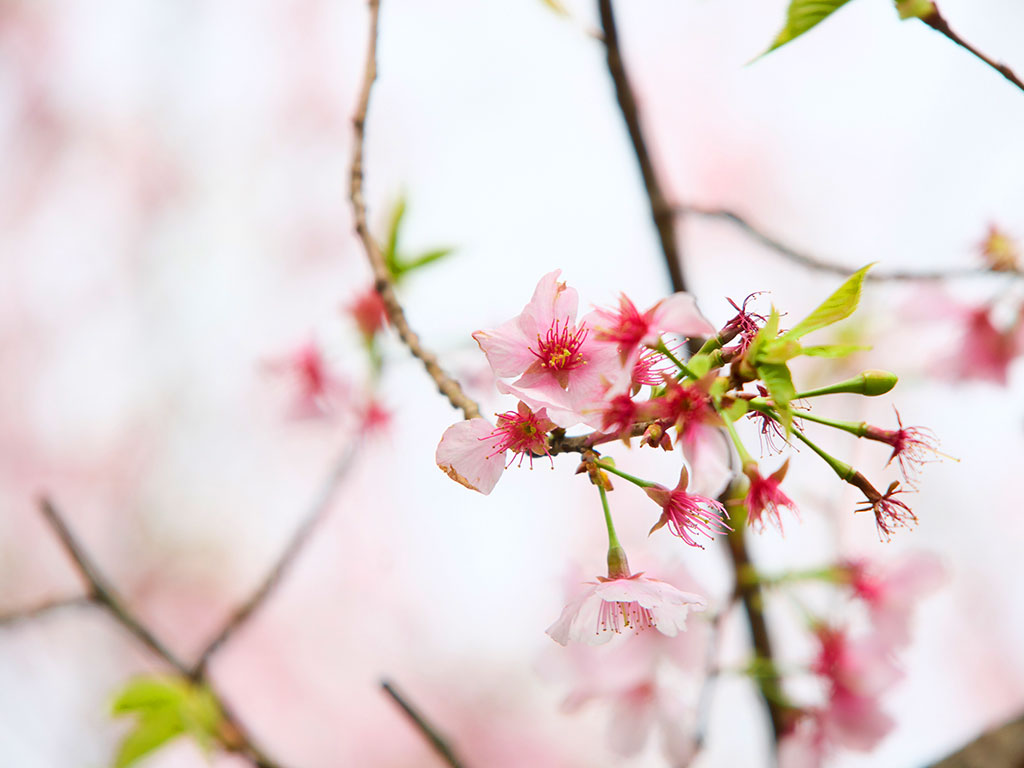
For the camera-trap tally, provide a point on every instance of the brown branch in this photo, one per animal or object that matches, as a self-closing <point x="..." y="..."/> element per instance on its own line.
<point x="430" y="733"/>
<point x="446" y="385"/>
<point x="822" y="265"/>
<point x="49" y="606"/>
<point x="939" y="24"/>
<point x="101" y="593"/>
<point x="313" y="517"/>
<point x="996" y="748"/>
<point x="662" y="213"/>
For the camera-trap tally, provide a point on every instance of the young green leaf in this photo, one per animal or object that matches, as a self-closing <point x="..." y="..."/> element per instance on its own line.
<point x="777" y="378"/>
<point x="834" y="350"/>
<point x="836" y="307"/>
<point x="405" y="267"/>
<point x="150" y="733"/>
<point x="390" y="250"/>
<point x="915" y="9"/>
<point x="802" y="16"/>
<point x="556" y="7"/>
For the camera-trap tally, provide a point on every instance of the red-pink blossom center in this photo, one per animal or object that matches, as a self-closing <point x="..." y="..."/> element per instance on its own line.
<point x="560" y="349"/>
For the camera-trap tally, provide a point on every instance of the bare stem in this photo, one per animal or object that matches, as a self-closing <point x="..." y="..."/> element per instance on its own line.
<point x="430" y="733"/>
<point x="823" y="265"/>
<point x="939" y="24"/>
<point x="446" y="385"/>
<point x="662" y="213"/>
<point x="314" y="516"/>
<point x="48" y="606"/>
<point x="101" y="593"/>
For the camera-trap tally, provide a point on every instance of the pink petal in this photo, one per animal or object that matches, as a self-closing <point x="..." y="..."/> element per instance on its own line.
<point x="506" y="348"/>
<point x="551" y="301"/>
<point x="463" y="455"/>
<point x="679" y="314"/>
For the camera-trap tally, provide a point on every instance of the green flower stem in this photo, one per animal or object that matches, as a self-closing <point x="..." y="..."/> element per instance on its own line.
<point x="844" y="470"/>
<point x="869" y="383"/>
<point x="613" y="539"/>
<point x="745" y="457"/>
<point x="663" y="349"/>
<point x="624" y="475"/>
<point x="846" y="426"/>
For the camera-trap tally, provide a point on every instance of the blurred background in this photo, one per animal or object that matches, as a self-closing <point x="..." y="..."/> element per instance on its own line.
<point x="175" y="230"/>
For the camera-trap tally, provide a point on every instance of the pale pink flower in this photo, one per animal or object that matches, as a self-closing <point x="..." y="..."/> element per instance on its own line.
<point x="317" y="391"/>
<point x="688" y="514"/>
<point x="764" y="498"/>
<point x="608" y="606"/>
<point x="892" y="591"/>
<point x="561" y="365"/>
<point x="986" y="352"/>
<point x="473" y="452"/>
<point x="629" y="328"/>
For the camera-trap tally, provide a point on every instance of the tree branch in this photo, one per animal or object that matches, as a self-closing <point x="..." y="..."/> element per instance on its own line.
<point x="1001" y="746"/>
<point x="49" y="606"/>
<point x="939" y="24"/>
<point x="316" y="513"/>
<point x="429" y="732"/>
<point x="101" y="593"/>
<point x="446" y="385"/>
<point x="661" y="211"/>
<point x="822" y="265"/>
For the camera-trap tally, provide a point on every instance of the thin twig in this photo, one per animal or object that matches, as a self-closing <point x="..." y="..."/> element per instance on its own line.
<point x="429" y="732"/>
<point x="102" y="594"/>
<point x="662" y="213"/>
<point x="1000" y="746"/>
<point x="46" y="607"/>
<point x="939" y="24"/>
<point x="822" y="265"/>
<point x="446" y="385"/>
<point x="314" y="516"/>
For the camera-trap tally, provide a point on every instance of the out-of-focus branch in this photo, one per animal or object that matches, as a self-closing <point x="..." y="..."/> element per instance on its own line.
<point x="996" y="748"/>
<point x="49" y="606"/>
<point x="662" y="213"/>
<point x="287" y="557"/>
<point x="101" y="593"/>
<point x="939" y="24"/>
<point x="823" y="265"/>
<point x="430" y="733"/>
<point x="446" y="385"/>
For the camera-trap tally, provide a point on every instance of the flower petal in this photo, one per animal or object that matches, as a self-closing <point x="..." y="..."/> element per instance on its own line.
<point x="465" y="455"/>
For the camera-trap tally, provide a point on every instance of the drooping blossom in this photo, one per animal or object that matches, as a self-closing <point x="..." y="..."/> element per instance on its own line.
<point x="891" y="592"/>
<point x="560" y="364"/>
<point x="625" y="602"/>
<point x="649" y="369"/>
<point x="317" y="391"/>
<point x="368" y="312"/>
<point x="687" y="514"/>
<point x="687" y="406"/>
<point x="473" y="452"/>
<point x="764" y="498"/>
<point x="629" y="328"/>
<point x="890" y="513"/>
<point x="744" y="325"/>
<point x="911" y="446"/>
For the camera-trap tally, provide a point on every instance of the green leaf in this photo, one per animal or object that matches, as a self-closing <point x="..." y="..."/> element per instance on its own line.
<point x="767" y="334"/>
<point x="165" y="707"/>
<point x="777" y="378"/>
<point x="834" y="350"/>
<point x="915" y="9"/>
<point x="802" y="16"/>
<point x="404" y="267"/>
<point x="737" y="409"/>
<point x="836" y="307"/>
<point x="152" y="732"/>
<point x="779" y="351"/>
<point x="390" y="250"/>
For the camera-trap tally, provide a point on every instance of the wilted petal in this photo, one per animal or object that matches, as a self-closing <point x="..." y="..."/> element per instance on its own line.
<point x="466" y="455"/>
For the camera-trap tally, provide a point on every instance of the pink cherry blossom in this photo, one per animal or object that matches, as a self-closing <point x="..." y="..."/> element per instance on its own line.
<point x="764" y="499"/>
<point x="368" y="312"/>
<point x="560" y="364"/>
<point x="629" y="328"/>
<point x="317" y="391"/>
<point x="687" y="514"/>
<point x="892" y="591"/>
<point x="608" y="606"/>
<point x="473" y="452"/>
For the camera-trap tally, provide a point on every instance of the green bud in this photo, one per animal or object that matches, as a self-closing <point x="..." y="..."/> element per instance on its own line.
<point x="869" y="383"/>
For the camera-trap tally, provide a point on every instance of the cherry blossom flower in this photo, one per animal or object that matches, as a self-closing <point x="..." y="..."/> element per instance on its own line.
<point x="889" y="511"/>
<point x="911" y="446"/>
<point x="473" y="452"/>
<point x="629" y="328"/>
<point x="561" y="365"/>
<point x="316" y="390"/>
<point x="687" y="406"/>
<point x="368" y="312"/>
<point x="764" y="498"/>
<point x="610" y="605"/>
<point x="650" y="369"/>
<point x="744" y="325"/>
<point x="688" y="514"/>
<point x="892" y="592"/>
<point x="986" y="352"/>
